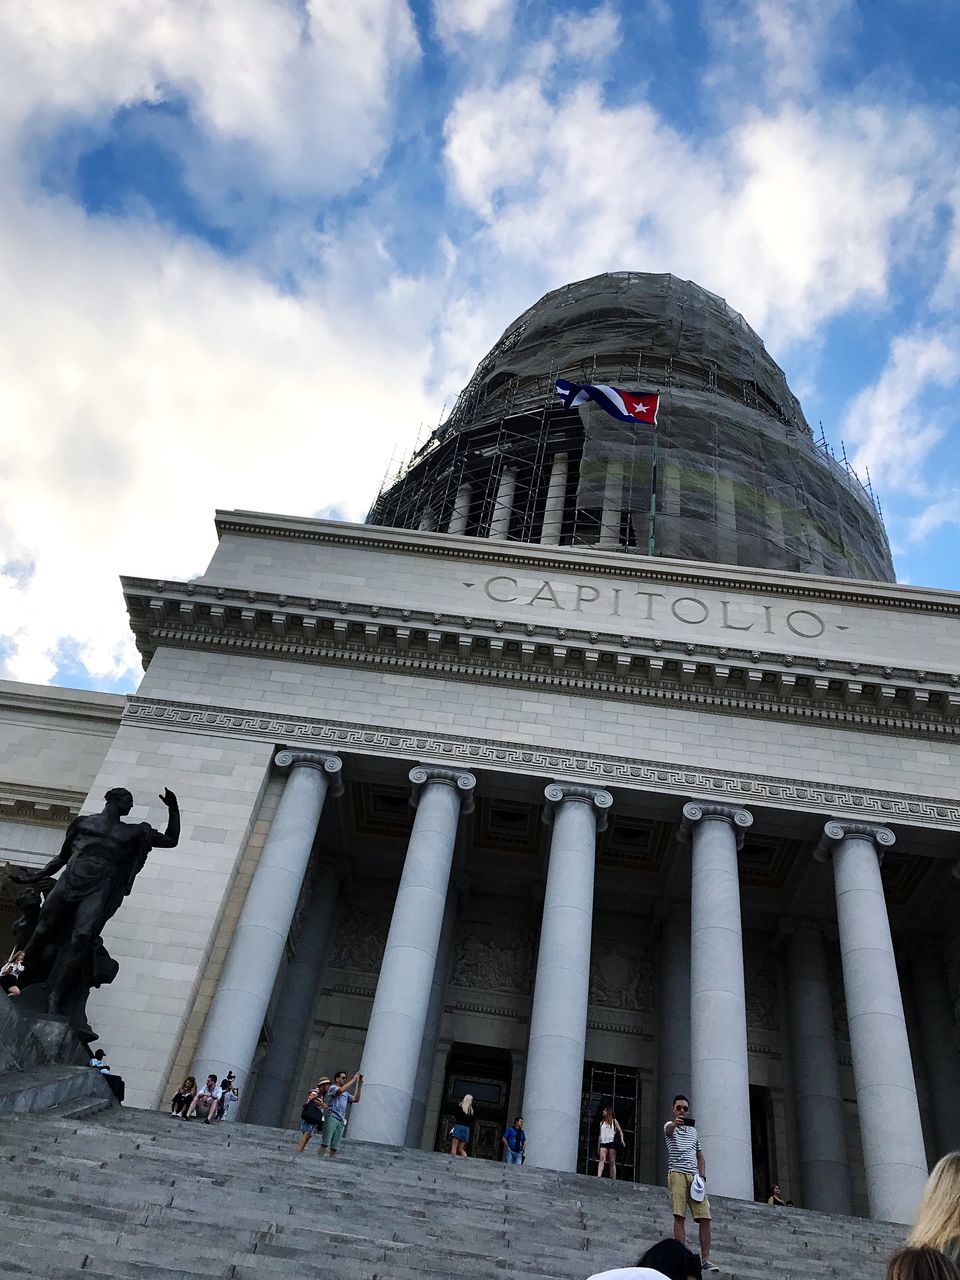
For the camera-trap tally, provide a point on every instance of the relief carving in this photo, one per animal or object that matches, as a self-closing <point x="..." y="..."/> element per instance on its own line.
<point x="622" y="974"/>
<point x="360" y="939"/>
<point x="760" y="981"/>
<point x="493" y="955"/>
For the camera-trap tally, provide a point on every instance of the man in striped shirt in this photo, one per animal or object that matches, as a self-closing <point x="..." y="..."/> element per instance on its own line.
<point x="684" y="1162"/>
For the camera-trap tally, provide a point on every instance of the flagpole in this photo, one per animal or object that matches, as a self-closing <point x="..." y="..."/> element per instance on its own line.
<point x="651" y="540"/>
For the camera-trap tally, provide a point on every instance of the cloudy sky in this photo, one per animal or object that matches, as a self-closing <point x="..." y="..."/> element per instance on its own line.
<point x="250" y="249"/>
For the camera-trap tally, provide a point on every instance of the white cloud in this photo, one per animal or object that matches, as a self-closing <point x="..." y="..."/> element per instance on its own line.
<point x="891" y="423"/>
<point x="793" y="215"/>
<point x="147" y="381"/>
<point x="589" y="36"/>
<point x="306" y="87"/>
<point x="942" y="512"/>
<point x="457" y="20"/>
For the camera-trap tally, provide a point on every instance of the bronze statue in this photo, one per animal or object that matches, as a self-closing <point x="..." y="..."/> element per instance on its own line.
<point x="100" y="859"/>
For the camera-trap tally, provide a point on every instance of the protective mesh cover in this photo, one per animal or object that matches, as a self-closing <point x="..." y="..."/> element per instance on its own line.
<point x="739" y="478"/>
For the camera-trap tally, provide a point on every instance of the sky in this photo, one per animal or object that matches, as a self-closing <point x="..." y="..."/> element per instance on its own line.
<point x="250" y="250"/>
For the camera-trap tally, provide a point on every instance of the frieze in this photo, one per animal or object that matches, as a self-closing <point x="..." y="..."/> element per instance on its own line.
<point x="649" y="775"/>
<point x="493" y="955"/>
<point x="622" y="974"/>
<point x="360" y="939"/>
<point x="760" y="981"/>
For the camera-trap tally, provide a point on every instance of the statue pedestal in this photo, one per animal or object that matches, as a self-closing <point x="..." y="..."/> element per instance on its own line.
<point x="29" y="1038"/>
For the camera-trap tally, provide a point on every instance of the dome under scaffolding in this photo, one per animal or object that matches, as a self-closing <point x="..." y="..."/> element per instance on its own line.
<point x="732" y="474"/>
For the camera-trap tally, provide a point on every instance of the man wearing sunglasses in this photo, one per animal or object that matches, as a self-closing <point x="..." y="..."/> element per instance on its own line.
<point x="685" y="1178"/>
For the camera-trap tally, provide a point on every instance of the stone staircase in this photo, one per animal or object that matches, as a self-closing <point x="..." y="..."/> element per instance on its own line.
<point x="140" y="1194"/>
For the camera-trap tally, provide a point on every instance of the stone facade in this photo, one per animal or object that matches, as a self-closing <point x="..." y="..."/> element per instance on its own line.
<point x="582" y="733"/>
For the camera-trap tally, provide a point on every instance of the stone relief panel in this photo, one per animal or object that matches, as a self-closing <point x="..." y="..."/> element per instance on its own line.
<point x="838" y="998"/>
<point x="495" y="953"/>
<point x="760" y="981"/>
<point x="622" y="964"/>
<point x="361" y="933"/>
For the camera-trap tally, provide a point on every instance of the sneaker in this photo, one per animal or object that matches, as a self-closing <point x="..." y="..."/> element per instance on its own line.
<point x="707" y="1265"/>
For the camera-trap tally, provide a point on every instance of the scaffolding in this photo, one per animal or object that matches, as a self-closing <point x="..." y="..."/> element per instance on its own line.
<point x="740" y="478"/>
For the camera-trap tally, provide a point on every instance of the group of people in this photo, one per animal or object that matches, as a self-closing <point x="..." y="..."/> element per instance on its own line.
<point x="325" y="1109"/>
<point x="213" y="1102"/>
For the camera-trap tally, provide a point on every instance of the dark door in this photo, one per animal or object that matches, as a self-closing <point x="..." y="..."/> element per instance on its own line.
<point x="605" y="1084"/>
<point x="485" y="1073"/>
<point x="762" y="1141"/>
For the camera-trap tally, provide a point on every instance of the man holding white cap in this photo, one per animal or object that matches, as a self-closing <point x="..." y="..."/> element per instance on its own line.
<point x="686" y="1178"/>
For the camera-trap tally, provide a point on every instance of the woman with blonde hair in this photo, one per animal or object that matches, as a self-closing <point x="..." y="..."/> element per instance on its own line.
<point x="611" y="1137"/>
<point x="938" y="1219"/>
<point x="461" y="1135"/>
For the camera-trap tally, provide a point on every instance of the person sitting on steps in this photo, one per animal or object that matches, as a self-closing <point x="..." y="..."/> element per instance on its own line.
<point x="208" y="1099"/>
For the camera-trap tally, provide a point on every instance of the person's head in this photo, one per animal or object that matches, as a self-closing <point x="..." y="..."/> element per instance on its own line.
<point x="518" y="1122"/>
<point x="323" y="1082"/>
<point x="226" y="1083"/>
<point x="607" y="1114"/>
<point x="672" y="1259"/>
<point x="340" y="1078"/>
<point x="681" y="1107"/>
<point x="921" y="1263"/>
<point x="467" y="1104"/>
<point x="120" y="798"/>
<point x="211" y="1082"/>
<point x="99" y="1055"/>
<point x="775" y="1189"/>
<point x="938" y="1218"/>
<point x="18" y="958"/>
<point x="189" y="1083"/>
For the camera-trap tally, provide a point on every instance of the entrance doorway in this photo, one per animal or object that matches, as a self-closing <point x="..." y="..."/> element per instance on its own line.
<point x="763" y="1141"/>
<point x="485" y="1073"/>
<point x="605" y="1084"/>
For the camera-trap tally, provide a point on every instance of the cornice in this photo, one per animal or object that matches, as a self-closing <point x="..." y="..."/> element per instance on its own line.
<point x="599" y="563"/>
<point x="727" y="680"/>
<point x="101" y="711"/>
<point x="797" y="794"/>
<point x="41" y="806"/>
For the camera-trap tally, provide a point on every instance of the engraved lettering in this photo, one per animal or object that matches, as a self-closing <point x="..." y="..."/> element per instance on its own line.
<point x="546" y="595"/>
<point x="488" y="588"/>
<point x="583" y="597"/>
<point x="698" y="604"/>
<point x="768" y="619"/>
<point x="812" y="621"/>
<point x="731" y="626"/>
<point x="616" y="601"/>
<point x="651" y="596"/>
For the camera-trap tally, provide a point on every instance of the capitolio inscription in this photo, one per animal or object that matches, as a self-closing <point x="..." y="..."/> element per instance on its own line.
<point x="642" y="604"/>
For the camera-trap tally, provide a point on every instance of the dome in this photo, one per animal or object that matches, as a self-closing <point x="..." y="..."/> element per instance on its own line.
<point x="732" y="474"/>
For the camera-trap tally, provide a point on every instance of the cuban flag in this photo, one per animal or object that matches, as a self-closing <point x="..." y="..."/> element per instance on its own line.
<point x="638" y="407"/>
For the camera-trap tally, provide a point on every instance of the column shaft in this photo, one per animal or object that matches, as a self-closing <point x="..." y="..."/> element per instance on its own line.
<point x="556" y="497"/>
<point x="612" y="510"/>
<point x="893" y="1152"/>
<point x="431" y="1030"/>
<point x="558" y="1022"/>
<point x="503" y="509"/>
<point x="673" y="1049"/>
<point x="825" y="1175"/>
<point x="391" y="1052"/>
<point x="461" y="509"/>
<point x="294" y="1010"/>
<point x="938" y="1038"/>
<point x="718" y="1012"/>
<point x="240" y="1002"/>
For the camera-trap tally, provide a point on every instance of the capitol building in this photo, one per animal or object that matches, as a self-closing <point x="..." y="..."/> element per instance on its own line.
<point x="601" y="763"/>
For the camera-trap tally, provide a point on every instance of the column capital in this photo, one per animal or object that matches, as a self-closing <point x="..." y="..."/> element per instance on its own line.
<point x="555" y="793"/>
<point x="697" y="810"/>
<point x="461" y="780"/>
<point x="838" y="829"/>
<point x="296" y="757"/>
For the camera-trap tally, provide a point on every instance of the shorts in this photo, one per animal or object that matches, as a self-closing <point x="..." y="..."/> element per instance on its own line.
<point x="678" y="1184"/>
<point x="306" y="1126"/>
<point x="513" y="1157"/>
<point x="333" y="1127"/>
<point x="460" y="1132"/>
<point x="609" y="1146"/>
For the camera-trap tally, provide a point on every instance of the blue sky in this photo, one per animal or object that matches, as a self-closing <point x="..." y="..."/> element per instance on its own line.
<point x="250" y="249"/>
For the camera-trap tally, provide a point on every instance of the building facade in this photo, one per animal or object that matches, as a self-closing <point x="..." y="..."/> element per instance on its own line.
<point x="542" y="819"/>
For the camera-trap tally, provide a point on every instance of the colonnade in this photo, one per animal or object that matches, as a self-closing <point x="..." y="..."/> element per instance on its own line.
<point x="703" y="1043"/>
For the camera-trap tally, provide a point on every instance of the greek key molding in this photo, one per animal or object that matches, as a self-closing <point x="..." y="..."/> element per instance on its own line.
<point x="647" y="775"/>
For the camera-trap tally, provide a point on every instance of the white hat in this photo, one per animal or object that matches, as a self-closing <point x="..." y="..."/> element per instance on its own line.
<point x="698" y="1188"/>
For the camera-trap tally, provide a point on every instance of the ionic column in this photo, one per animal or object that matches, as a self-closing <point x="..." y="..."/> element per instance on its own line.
<point x="503" y="508"/>
<point x="553" y="508"/>
<point x="391" y="1052"/>
<point x="892" y="1138"/>
<point x="240" y="1002"/>
<point x="673" y="1047"/>
<point x="941" y="1061"/>
<point x="292" y="1016"/>
<point x="612" y="511"/>
<point x="428" y="521"/>
<point x="825" y="1175"/>
<point x="558" y="1020"/>
<point x="461" y="509"/>
<point x="431" y="1029"/>
<point x="718" y="1010"/>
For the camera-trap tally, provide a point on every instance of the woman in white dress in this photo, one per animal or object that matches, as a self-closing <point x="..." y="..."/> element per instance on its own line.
<point x="611" y="1136"/>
